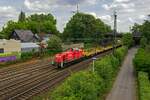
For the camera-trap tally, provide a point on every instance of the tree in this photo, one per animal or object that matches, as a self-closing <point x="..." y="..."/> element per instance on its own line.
<point x="22" y="17"/>
<point x="143" y="42"/>
<point x="36" y="23"/>
<point x="84" y="28"/>
<point x="144" y="29"/>
<point x="127" y="39"/>
<point x="54" y="43"/>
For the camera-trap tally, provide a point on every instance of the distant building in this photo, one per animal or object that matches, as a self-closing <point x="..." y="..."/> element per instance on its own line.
<point x="29" y="47"/>
<point x="24" y="36"/>
<point x="44" y="36"/>
<point x="7" y="46"/>
<point x="137" y="36"/>
<point x="111" y="34"/>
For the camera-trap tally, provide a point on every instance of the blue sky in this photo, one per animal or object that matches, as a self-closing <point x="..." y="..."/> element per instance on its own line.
<point x="129" y="11"/>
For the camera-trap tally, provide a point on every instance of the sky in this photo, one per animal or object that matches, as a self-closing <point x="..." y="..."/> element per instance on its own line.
<point x="128" y="11"/>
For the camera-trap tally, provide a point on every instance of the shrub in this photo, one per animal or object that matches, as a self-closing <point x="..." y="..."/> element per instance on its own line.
<point x="142" y="60"/>
<point x="120" y="53"/>
<point x="144" y="86"/>
<point x="26" y="55"/>
<point x="105" y="70"/>
<point x="127" y="39"/>
<point x="80" y="86"/>
<point x="143" y="42"/>
<point x="54" y="43"/>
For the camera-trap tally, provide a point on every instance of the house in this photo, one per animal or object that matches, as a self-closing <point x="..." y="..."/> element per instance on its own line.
<point x="8" y="46"/>
<point x="44" y="37"/>
<point x="24" y="36"/>
<point x="29" y="47"/>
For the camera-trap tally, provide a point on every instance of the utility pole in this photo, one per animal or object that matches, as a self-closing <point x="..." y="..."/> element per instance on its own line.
<point x="115" y="31"/>
<point x="77" y="8"/>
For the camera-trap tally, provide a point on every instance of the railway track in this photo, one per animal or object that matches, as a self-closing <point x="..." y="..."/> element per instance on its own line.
<point x="23" y="72"/>
<point x="12" y="70"/>
<point x="33" y="81"/>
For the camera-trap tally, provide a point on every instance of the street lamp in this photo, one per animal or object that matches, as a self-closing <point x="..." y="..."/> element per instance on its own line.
<point x="94" y="58"/>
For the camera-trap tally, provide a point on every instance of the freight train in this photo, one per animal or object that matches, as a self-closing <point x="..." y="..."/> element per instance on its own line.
<point x="75" y="55"/>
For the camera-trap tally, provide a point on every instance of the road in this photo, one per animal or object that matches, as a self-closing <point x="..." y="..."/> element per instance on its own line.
<point x="124" y="87"/>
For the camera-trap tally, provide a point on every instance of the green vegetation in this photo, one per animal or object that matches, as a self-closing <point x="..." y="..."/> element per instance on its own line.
<point x="10" y="54"/>
<point x="142" y="60"/>
<point x="144" y="86"/>
<point x="54" y="43"/>
<point x="143" y="42"/>
<point x="36" y="23"/>
<point x="80" y="86"/>
<point x="127" y="39"/>
<point x="120" y="53"/>
<point x="84" y="28"/>
<point x="86" y="85"/>
<point x="144" y="29"/>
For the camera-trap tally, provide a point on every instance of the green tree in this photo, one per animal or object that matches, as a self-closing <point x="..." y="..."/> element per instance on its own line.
<point x="127" y="39"/>
<point x="54" y="43"/>
<point x="143" y="28"/>
<point x="143" y="42"/>
<point x="84" y="28"/>
<point x="36" y="23"/>
<point x="42" y="23"/>
<point x="22" y="17"/>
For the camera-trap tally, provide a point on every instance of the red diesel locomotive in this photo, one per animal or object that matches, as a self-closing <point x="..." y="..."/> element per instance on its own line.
<point x="71" y="55"/>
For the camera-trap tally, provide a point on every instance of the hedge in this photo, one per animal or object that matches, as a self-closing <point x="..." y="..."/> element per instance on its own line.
<point x="86" y="85"/>
<point x="144" y="86"/>
<point x="80" y="86"/>
<point x="142" y="61"/>
<point x="120" y="53"/>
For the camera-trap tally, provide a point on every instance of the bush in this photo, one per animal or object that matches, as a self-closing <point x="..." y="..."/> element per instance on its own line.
<point x="54" y="43"/>
<point x="142" y="61"/>
<point x="144" y="86"/>
<point x="26" y="55"/>
<point x="105" y="70"/>
<point x="120" y="53"/>
<point x="143" y="42"/>
<point x="80" y="86"/>
<point x="128" y="39"/>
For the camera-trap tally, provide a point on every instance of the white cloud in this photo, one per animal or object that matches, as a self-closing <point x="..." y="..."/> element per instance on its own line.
<point x="121" y="0"/>
<point x="7" y="11"/>
<point x="106" y="18"/>
<point x="37" y="5"/>
<point x="131" y="20"/>
<point x="129" y="10"/>
<point x="106" y="6"/>
<point x="142" y="17"/>
<point x="127" y="5"/>
<point x="92" y="1"/>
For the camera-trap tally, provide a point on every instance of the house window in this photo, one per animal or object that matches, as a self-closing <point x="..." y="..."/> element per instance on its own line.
<point x="1" y="50"/>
